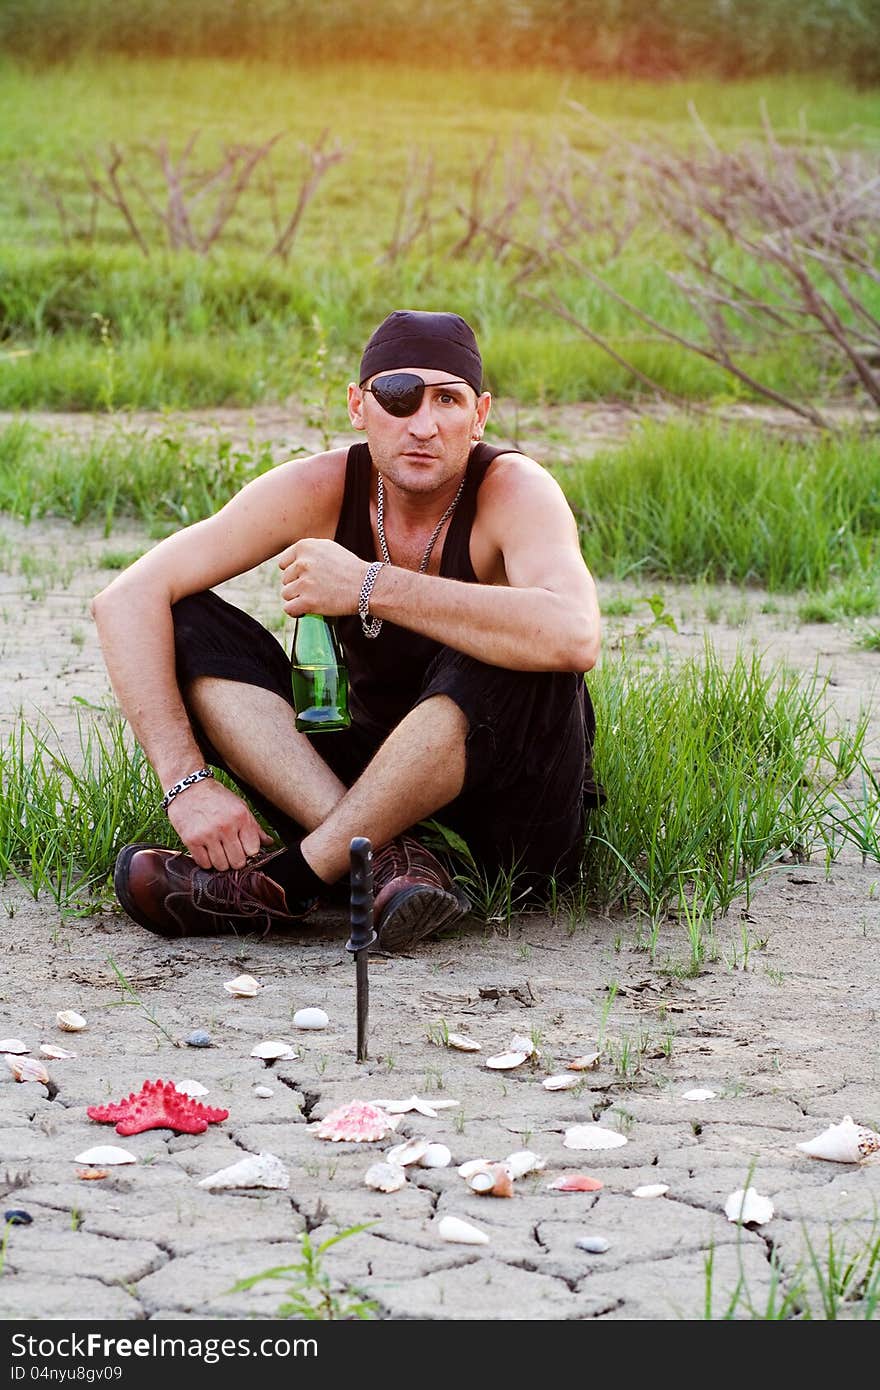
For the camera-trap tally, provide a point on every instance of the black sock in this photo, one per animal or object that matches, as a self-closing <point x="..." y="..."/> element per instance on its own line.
<point x="295" y="875"/>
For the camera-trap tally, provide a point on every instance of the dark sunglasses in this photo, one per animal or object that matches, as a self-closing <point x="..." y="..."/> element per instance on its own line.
<point x="401" y="393"/>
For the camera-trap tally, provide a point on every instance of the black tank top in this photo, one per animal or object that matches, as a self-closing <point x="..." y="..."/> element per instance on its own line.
<point x="386" y="672"/>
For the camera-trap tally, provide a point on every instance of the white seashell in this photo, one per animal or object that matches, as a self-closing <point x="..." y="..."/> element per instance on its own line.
<point x="520" y="1043"/>
<point x="191" y="1088"/>
<point x="263" y="1092"/>
<point x="27" y="1069"/>
<point x="424" y="1107"/>
<point x="473" y="1165"/>
<point x="524" y="1161"/>
<point x="436" y="1156"/>
<point x="256" y="1170"/>
<point x="843" y="1143"/>
<point x="55" y="1054"/>
<point x="460" y="1232"/>
<point x="14" y="1046"/>
<point x="565" y="1082"/>
<point x="410" y="1151"/>
<point x="310" y="1018"/>
<point x="70" y="1022"/>
<point x="385" y="1177"/>
<point x="749" y="1207"/>
<point x="274" y="1050"/>
<point x="593" y="1136"/>
<point x="506" y="1061"/>
<point x="699" y="1093"/>
<point x="587" y="1062"/>
<point x="105" y="1156"/>
<point x="462" y="1044"/>
<point x="651" y="1189"/>
<point x="243" y="987"/>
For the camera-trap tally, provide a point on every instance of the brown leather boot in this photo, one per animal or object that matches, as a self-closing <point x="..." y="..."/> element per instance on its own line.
<point x="166" y="892"/>
<point x="414" y="895"/>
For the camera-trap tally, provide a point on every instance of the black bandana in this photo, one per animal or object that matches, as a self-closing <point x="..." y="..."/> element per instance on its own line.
<point x="411" y="338"/>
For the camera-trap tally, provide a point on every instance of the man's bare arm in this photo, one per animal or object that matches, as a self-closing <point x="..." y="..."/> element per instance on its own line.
<point x="133" y="617"/>
<point x="546" y="617"/>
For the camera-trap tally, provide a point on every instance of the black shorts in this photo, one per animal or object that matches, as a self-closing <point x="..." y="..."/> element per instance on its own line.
<point x="527" y="783"/>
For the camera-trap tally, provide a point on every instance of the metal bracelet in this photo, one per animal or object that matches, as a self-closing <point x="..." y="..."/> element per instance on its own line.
<point x="371" y="626"/>
<point x="181" y="786"/>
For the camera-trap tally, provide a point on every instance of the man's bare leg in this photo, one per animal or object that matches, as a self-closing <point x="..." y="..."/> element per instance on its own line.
<point x="419" y="768"/>
<point x="273" y="756"/>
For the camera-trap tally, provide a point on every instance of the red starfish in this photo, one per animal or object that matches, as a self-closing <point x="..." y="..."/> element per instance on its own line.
<point x="158" y="1105"/>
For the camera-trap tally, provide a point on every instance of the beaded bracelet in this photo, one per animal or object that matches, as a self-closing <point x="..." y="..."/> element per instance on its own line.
<point x="371" y="626"/>
<point x="181" y="786"/>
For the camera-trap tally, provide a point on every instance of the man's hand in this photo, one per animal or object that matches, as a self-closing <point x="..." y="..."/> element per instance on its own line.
<point x="319" y="576"/>
<point x="216" y="826"/>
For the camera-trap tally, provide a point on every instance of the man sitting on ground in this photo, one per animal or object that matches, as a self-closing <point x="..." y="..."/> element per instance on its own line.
<point x="467" y="617"/>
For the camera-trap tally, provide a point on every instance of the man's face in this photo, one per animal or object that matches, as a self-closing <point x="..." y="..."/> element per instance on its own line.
<point x="421" y="452"/>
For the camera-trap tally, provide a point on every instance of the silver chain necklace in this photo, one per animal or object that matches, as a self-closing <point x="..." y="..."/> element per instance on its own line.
<point x="380" y="524"/>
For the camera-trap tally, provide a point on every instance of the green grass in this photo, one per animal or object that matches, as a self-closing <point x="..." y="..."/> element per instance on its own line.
<point x="236" y="328"/>
<point x="837" y="1278"/>
<point x="711" y="775"/>
<point x="676" y="502"/>
<point x="707" y="503"/>
<point x="854" y="598"/>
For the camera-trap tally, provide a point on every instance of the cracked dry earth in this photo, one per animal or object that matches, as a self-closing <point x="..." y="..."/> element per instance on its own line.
<point x="788" y="1044"/>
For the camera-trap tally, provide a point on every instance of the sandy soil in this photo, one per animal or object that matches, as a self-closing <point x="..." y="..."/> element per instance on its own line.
<point x="782" y="1026"/>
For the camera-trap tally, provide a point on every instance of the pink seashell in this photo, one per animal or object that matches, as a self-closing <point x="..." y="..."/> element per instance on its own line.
<point x="27" y="1069"/>
<point x="355" y="1123"/>
<point x="575" y="1182"/>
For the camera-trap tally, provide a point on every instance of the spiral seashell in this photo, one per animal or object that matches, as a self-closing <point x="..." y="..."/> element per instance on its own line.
<point x="494" y="1181"/>
<point x="451" y="1228"/>
<point x="256" y="1170"/>
<point x="843" y="1143"/>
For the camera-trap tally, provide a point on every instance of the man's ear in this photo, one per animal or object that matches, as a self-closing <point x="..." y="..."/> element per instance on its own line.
<point x="484" y="401"/>
<point x="356" y="406"/>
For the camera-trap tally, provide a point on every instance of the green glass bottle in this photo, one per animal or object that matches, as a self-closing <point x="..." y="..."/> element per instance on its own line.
<point x="319" y="675"/>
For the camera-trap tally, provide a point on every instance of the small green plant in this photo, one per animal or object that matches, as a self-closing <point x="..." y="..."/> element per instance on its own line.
<point x="108" y="362"/>
<point x="4" y="1241"/>
<point x="76" y="1218"/>
<point x="130" y="996"/>
<point x="312" y="1296"/>
<point x="846" y="1280"/>
<point x="612" y="990"/>
<point x="438" y="1033"/>
<point x="660" y="617"/>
